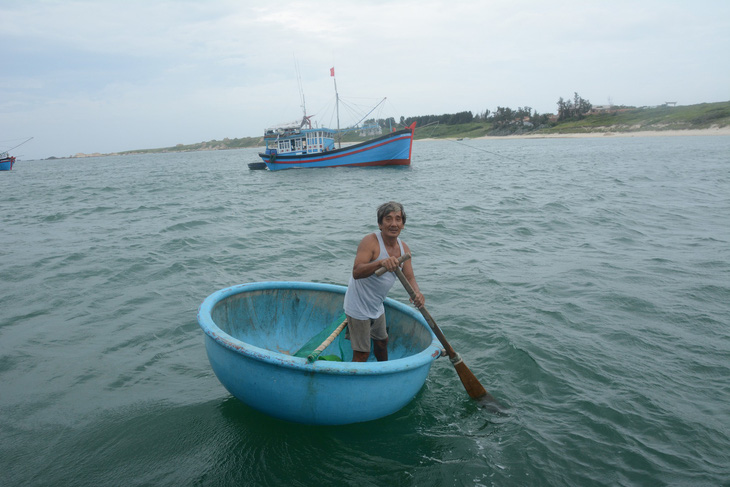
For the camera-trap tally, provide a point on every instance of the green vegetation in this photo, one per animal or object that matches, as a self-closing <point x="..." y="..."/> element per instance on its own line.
<point x="471" y="130"/>
<point x="579" y="116"/>
<point x="575" y="116"/>
<point x="631" y="119"/>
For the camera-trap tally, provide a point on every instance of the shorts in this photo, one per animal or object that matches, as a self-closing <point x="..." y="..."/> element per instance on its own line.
<point x="359" y="332"/>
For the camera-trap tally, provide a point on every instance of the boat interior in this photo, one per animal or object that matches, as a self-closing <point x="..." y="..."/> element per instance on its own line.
<point x="284" y="320"/>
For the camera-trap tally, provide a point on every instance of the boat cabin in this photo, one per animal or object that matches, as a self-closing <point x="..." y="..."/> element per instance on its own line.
<point x="293" y="139"/>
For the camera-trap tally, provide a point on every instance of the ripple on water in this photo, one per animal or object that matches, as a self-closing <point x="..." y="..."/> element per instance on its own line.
<point x="584" y="283"/>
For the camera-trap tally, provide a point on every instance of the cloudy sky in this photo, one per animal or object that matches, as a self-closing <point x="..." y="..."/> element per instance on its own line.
<point x="107" y="76"/>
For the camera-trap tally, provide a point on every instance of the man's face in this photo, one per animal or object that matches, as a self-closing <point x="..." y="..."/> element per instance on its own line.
<point x="392" y="224"/>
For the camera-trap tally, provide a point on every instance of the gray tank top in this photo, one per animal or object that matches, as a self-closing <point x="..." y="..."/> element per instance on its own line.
<point x="364" y="297"/>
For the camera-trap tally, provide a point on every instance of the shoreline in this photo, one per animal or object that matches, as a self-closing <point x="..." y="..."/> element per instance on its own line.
<point x="642" y="133"/>
<point x="714" y="131"/>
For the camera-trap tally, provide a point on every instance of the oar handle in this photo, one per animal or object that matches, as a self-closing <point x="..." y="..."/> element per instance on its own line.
<point x="401" y="259"/>
<point x="315" y="354"/>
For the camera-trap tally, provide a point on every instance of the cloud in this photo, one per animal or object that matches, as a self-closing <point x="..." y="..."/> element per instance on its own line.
<point x="85" y="76"/>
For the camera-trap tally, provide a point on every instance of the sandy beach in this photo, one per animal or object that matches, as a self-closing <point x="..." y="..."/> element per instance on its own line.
<point x="646" y="133"/>
<point x="643" y="133"/>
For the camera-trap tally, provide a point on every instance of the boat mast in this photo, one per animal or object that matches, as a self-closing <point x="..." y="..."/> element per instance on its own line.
<point x="305" y="119"/>
<point x="337" y="105"/>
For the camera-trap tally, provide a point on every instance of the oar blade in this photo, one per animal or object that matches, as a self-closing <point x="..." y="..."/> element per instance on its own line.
<point x="475" y="389"/>
<point x="472" y="385"/>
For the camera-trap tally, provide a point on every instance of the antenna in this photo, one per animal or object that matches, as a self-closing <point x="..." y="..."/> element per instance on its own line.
<point x="301" y="91"/>
<point x="337" y="104"/>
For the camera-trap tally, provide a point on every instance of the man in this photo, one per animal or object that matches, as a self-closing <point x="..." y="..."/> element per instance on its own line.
<point x="366" y="291"/>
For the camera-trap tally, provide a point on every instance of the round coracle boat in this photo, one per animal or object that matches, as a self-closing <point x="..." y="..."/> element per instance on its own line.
<point x="255" y="334"/>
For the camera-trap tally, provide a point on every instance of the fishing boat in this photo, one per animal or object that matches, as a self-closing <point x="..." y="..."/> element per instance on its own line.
<point x="6" y="160"/>
<point x="298" y="145"/>
<point x="255" y="334"/>
<point x="313" y="148"/>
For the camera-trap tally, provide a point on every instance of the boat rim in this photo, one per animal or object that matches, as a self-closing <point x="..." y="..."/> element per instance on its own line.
<point x="211" y="329"/>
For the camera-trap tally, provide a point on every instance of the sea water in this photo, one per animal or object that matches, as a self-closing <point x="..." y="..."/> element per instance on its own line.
<point x="585" y="282"/>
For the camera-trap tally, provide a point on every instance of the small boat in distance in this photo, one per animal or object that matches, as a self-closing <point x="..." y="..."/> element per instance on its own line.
<point x="298" y="145"/>
<point x="6" y="160"/>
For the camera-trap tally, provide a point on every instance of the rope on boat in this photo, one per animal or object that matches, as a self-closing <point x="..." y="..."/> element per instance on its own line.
<point x="467" y="145"/>
<point x="485" y="150"/>
<point x="456" y="359"/>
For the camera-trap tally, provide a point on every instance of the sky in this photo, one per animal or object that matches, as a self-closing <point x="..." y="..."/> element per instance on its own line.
<point x="106" y="76"/>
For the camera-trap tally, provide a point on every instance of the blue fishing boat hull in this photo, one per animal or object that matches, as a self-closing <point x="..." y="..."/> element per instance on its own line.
<point x="393" y="149"/>
<point x="6" y="164"/>
<point x="253" y="330"/>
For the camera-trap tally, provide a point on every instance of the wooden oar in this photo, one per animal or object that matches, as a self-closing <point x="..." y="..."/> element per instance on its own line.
<point x="315" y="354"/>
<point x="472" y="385"/>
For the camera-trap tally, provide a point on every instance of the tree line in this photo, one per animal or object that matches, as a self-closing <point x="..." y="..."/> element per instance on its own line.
<point x="503" y="119"/>
<point x="575" y="109"/>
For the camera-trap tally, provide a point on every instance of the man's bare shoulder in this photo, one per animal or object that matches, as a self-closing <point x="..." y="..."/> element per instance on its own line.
<point x="368" y="250"/>
<point x="369" y="240"/>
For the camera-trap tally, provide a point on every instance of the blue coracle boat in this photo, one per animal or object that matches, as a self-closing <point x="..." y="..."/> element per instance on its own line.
<point x="252" y="332"/>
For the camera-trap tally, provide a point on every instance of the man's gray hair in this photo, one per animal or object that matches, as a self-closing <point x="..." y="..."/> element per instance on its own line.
<point x="386" y="208"/>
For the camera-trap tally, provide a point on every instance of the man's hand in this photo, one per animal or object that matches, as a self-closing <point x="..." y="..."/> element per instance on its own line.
<point x="390" y="264"/>
<point x="418" y="299"/>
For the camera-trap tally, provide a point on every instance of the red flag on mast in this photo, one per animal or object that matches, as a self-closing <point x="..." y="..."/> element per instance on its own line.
<point x="332" y="71"/>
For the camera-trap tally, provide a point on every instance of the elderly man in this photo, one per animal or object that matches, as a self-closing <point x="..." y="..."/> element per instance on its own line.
<point x="366" y="291"/>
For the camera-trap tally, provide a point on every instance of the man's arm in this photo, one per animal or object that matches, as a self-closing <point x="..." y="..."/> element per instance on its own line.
<point x="368" y="250"/>
<point x="419" y="299"/>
